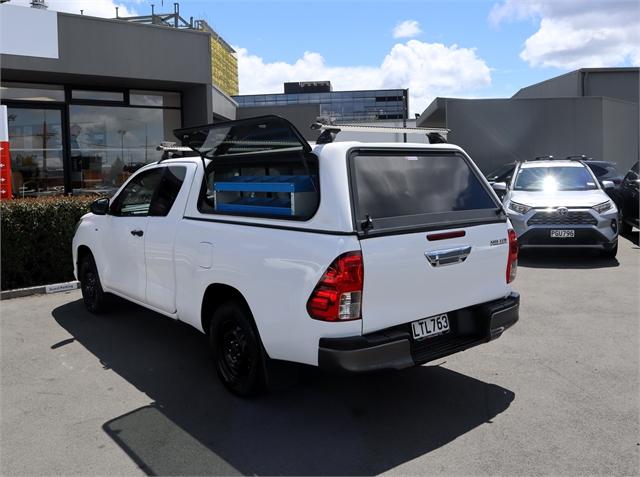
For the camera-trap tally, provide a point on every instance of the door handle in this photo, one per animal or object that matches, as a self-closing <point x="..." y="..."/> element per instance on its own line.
<point x="138" y="233"/>
<point x="448" y="256"/>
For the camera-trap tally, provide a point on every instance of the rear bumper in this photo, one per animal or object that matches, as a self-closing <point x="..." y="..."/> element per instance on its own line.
<point x="395" y="348"/>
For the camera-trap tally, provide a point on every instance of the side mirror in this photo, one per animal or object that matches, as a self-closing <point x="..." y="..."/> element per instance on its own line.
<point x="608" y="185"/>
<point x="499" y="186"/>
<point x="100" y="206"/>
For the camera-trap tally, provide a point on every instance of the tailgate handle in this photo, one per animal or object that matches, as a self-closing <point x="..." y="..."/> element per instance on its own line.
<point x="448" y="256"/>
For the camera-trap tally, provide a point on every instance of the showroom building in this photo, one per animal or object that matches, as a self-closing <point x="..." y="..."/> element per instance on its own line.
<point x="89" y="99"/>
<point x="303" y="102"/>
<point x="591" y="111"/>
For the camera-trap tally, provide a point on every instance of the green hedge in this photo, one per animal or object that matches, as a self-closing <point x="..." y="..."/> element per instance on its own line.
<point x="36" y="239"/>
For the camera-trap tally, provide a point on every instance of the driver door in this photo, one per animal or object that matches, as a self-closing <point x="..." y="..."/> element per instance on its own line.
<point x="125" y="270"/>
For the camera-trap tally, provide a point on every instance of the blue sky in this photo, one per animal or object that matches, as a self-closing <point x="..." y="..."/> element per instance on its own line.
<point x="458" y="48"/>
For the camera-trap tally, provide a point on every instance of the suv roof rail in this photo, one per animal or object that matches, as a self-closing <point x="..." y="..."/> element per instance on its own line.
<point x="330" y="131"/>
<point x="578" y="157"/>
<point x="575" y="157"/>
<point x="541" y="158"/>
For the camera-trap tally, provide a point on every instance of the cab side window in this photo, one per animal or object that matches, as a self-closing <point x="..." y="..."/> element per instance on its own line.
<point x="150" y="193"/>
<point x="135" y="198"/>
<point x="168" y="189"/>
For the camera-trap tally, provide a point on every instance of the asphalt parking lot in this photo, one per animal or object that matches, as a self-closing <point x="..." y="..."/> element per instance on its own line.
<point x="132" y="393"/>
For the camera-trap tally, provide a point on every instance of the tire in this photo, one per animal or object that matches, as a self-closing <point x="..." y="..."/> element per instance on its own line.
<point x="237" y="350"/>
<point x="92" y="293"/>
<point x="610" y="253"/>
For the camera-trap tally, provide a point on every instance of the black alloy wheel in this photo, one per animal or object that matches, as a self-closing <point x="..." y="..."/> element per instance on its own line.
<point x="92" y="293"/>
<point x="237" y="351"/>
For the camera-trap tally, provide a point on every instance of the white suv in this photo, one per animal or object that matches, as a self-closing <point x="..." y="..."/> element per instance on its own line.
<point x="560" y="203"/>
<point x="348" y="255"/>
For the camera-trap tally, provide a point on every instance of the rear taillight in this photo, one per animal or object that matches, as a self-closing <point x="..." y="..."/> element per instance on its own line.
<point x="512" y="261"/>
<point x="338" y="294"/>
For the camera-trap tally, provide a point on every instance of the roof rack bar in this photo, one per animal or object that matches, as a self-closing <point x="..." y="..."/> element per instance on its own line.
<point x="171" y="149"/>
<point x="330" y="131"/>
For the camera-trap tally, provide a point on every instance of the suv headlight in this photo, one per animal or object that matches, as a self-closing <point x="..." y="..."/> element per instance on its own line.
<point x="519" y="208"/>
<point x="600" y="208"/>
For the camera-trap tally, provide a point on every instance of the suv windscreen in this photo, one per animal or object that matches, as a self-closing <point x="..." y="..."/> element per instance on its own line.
<point x="416" y="188"/>
<point x="549" y="179"/>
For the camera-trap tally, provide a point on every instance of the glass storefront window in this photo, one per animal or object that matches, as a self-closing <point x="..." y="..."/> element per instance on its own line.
<point x="31" y="92"/>
<point x="98" y="95"/>
<point x="109" y="143"/>
<point x="154" y="98"/>
<point x="36" y="151"/>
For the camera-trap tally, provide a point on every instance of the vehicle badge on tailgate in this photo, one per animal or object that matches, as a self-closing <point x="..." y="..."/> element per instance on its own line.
<point x="498" y="242"/>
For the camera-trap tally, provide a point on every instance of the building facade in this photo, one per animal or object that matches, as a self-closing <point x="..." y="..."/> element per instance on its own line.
<point x="592" y="111"/>
<point x="224" y="63"/>
<point x="360" y="106"/>
<point x="302" y="103"/>
<point x="89" y="99"/>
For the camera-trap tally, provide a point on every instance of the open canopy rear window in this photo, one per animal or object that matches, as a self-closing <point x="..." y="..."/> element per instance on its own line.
<point x="398" y="190"/>
<point x="246" y="136"/>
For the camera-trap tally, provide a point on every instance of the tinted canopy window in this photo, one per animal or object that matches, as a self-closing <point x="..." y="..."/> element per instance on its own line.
<point x="274" y="185"/>
<point x="418" y="189"/>
<point x="248" y="136"/>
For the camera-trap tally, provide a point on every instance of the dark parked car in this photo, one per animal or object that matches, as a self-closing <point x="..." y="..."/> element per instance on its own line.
<point x="605" y="171"/>
<point x="502" y="173"/>
<point x="627" y="200"/>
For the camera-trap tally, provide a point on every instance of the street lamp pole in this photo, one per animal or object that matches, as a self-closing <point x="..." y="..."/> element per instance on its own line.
<point x="122" y="132"/>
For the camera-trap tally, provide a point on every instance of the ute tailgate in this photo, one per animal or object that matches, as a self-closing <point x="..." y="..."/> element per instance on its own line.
<point x="433" y="235"/>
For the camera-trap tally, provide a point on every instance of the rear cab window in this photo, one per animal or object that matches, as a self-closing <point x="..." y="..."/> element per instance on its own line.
<point x="400" y="190"/>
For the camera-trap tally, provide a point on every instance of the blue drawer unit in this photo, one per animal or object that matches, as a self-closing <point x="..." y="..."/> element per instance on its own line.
<point x="288" y="195"/>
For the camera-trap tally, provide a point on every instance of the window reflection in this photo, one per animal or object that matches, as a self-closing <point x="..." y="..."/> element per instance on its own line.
<point x="154" y="98"/>
<point x="343" y="105"/>
<point x="36" y="151"/>
<point x="109" y="143"/>
<point x="31" y="92"/>
<point x="98" y="95"/>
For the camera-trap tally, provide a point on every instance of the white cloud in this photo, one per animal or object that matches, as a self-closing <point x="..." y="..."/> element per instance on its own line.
<point x="427" y="69"/>
<point x="407" y="29"/>
<point x="576" y="33"/>
<point x="95" y="8"/>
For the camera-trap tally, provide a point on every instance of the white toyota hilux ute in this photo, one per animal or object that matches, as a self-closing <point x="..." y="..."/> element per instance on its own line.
<point x="350" y="256"/>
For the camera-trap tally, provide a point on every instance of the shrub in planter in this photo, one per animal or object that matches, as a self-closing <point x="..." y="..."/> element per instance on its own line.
<point x="36" y="239"/>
